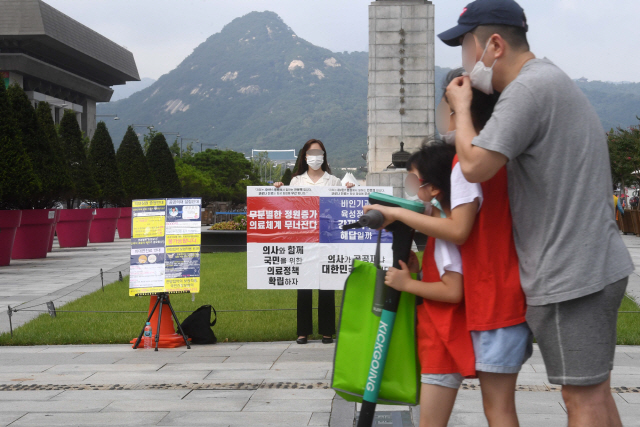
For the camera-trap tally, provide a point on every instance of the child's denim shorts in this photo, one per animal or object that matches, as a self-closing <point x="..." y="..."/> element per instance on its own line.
<point x="503" y="350"/>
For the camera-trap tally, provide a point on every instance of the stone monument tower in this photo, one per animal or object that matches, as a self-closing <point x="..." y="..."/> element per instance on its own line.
<point x="401" y="99"/>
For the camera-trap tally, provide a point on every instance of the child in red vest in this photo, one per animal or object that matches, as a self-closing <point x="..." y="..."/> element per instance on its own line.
<point x="444" y="345"/>
<point x="480" y="223"/>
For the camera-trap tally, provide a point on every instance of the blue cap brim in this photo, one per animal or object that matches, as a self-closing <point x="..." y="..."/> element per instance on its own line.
<point x="452" y="36"/>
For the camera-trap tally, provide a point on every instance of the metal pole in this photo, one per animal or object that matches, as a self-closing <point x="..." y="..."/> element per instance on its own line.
<point x="10" y="324"/>
<point x="102" y="279"/>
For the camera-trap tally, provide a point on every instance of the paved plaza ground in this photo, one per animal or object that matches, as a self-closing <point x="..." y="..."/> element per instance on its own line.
<point x="227" y="384"/>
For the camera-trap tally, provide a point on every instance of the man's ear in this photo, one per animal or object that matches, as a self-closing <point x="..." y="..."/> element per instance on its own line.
<point x="499" y="45"/>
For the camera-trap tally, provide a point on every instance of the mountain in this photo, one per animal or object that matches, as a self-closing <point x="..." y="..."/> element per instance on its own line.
<point x="256" y="84"/>
<point x="124" y="91"/>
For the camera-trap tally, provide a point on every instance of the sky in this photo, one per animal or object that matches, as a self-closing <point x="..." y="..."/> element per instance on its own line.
<point x="586" y="38"/>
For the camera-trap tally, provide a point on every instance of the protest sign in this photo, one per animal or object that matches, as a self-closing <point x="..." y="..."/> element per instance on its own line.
<point x="165" y="246"/>
<point x="295" y="238"/>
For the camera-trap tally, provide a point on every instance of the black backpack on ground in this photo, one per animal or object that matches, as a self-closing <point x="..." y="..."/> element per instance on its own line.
<point x="197" y="327"/>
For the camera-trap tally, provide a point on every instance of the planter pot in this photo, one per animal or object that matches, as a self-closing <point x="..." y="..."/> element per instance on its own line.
<point x="9" y="222"/>
<point x="124" y="223"/>
<point x="32" y="237"/>
<point x="53" y="230"/>
<point x="73" y="227"/>
<point x="103" y="226"/>
<point x="224" y="241"/>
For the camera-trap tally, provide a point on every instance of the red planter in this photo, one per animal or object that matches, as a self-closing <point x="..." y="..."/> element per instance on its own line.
<point x="32" y="237"/>
<point x="124" y="223"/>
<point x="53" y="230"/>
<point x="9" y="222"/>
<point x="103" y="226"/>
<point x="73" y="227"/>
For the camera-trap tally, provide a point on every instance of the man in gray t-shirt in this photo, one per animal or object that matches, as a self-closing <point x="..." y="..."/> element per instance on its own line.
<point x="573" y="263"/>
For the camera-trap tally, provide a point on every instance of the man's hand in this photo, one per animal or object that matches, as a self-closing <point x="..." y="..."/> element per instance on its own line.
<point x="413" y="263"/>
<point x="398" y="279"/>
<point x="386" y="211"/>
<point x="459" y="94"/>
<point x="278" y="184"/>
<point x="349" y="184"/>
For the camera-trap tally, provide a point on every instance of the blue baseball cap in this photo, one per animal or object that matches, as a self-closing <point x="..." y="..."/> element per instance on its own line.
<point x="485" y="12"/>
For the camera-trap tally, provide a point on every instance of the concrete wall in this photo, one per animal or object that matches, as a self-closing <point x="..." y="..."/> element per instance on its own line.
<point x="401" y="76"/>
<point x="88" y="120"/>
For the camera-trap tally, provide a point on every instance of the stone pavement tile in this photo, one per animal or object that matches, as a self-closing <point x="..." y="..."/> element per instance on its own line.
<point x="271" y="374"/>
<point x="104" y="368"/>
<point x="320" y="419"/>
<point x="327" y="365"/>
<point x="43" y="377"/>
<point x="208" y="405"/>
<point x="630" y="420"/>
<point x="24" y="368"/>
<point x="294" y="355"/>
<point x="20" y="350"/>
<point x="527" y="369"/>
<point x="218" y="394"/>
<point x="43" y="359"/>
<point x="220" y="349"/>
<point x="147" y="377"/>
<point x="284" y="406"/>
<point x="53" y="406"/>
<point x="149" y="358"/>
<point x="631" y="398"/>
<point x="114" y="395"/>
<point x="97" y="348"/>
<point x="28" y="395"/>
<point x="240" y="419"/>
<point x="137" y="419"/>
<point x="623" y="380"/>
<point x="7" y="418"/>
<point x="538" y="378"/>
<point x="216" y="366"/>
<point x="254" y="358"/>
<point x="293" y="394"/>
<point x="526" y="420"/>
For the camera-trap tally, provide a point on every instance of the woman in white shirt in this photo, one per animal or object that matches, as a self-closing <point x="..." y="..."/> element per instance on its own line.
<point x="313" y="170"/>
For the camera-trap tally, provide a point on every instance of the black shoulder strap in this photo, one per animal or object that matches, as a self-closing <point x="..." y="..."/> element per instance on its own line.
<point x="216" y="318"/>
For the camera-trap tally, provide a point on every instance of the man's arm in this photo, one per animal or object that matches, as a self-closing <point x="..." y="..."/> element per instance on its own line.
<point x="477" y="164"/>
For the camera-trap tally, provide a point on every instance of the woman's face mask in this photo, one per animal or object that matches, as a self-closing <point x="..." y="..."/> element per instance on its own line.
<point x="315" y="162"/>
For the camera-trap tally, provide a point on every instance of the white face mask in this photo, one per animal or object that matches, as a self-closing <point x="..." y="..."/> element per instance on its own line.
<point x="449" y="137"/>
<point x="315" y="162"/>
<point x="428" y="208"/>
<point x="481" y="76"/>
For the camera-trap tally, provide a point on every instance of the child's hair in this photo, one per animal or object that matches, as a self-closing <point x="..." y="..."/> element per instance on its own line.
<point x="433" y="162"/>
<point x="481" y="104"/>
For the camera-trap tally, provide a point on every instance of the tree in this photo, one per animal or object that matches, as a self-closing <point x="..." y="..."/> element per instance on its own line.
<point x="85" y="186"/>
<point x="175" y="149"/>
<point x="37" y="147"/>
<point x="147" y="138"/>
<point x="18" y="182"/>
<point x="61" y="182"/>
<point x="102" y="158"/>
<point x="286" y="177"/>
<point x="134" y="171"/>
<point x="624" y="155"/>
<point x="229" y="171"/>
<point x="163" y="168"/>
<point x="196" y="183"/>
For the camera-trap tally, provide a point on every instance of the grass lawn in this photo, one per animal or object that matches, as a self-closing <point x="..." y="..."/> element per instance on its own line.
<point x="224" y="282"/>
<point x="223" y="285"/>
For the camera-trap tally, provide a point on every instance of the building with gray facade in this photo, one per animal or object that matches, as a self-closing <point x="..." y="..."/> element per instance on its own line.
<point x="59" y="60"/>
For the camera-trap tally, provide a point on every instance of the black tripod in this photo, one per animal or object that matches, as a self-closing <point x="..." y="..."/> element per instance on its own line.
<point x="164" y="298"/>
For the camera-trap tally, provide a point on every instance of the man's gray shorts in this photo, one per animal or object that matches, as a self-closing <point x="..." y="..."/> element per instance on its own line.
<point x="577" y="338"/>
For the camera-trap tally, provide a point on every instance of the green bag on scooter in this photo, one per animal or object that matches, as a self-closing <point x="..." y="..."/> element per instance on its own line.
<point x="362" y="302"/>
